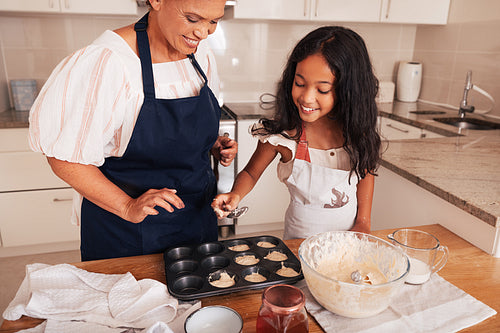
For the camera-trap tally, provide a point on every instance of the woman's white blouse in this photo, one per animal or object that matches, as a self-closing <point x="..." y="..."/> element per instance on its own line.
<point x="87" y="109"/>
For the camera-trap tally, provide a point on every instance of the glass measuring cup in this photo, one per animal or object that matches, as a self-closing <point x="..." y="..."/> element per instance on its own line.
<point x="422" y="249"/>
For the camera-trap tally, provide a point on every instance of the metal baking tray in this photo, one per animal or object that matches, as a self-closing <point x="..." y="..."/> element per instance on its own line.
<point x="189" y="269"/>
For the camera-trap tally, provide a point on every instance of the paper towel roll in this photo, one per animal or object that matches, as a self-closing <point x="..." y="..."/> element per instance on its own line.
<point x="409" y="81"/>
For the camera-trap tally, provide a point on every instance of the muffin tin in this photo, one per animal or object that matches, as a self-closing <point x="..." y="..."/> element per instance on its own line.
<point x="189" y="269"/>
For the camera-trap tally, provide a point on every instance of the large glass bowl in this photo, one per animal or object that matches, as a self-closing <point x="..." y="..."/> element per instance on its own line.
<point x="345" y="250"/>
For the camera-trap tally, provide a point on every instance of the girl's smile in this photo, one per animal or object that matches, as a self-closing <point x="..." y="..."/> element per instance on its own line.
<point x="313" y="88"/>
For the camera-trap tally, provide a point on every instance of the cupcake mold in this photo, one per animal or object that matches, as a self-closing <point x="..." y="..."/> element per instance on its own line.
<point x="190" y="269"/>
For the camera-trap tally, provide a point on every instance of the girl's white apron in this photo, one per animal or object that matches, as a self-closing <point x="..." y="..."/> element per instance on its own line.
<point x="321" y="198"/>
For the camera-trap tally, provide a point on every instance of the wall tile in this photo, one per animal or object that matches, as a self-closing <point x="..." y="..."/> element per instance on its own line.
<point x="480" y="37"/>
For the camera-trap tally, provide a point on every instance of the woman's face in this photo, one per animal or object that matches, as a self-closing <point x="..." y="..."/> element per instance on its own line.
<point x="184" y="23"/>
<point x="313" y="88"/>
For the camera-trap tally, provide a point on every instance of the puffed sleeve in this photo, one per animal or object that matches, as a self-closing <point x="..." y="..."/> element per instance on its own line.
<point x="79" y="112"/>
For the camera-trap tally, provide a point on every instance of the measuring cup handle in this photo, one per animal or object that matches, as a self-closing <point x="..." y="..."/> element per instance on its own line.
<point x="444" y="258"/>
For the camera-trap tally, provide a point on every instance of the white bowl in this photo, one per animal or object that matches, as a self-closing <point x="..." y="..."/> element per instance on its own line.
<point x="214" y="319"/>
<point x="345" y="251"/>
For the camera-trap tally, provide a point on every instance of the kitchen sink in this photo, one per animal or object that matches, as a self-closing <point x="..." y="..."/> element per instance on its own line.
<point x="469" y="123"/>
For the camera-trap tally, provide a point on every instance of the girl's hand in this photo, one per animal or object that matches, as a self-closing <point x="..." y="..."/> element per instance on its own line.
<point x="225" y="150"/>
<point x="361" y="226"/>
<point x="136" y="210"/>
<point x="224" y="203"/>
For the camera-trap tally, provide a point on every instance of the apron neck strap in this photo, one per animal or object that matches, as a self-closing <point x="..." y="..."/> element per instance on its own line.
<point x="145" y="57"/>
<point x="302" y="147"/>
<point x="197" y="67"/>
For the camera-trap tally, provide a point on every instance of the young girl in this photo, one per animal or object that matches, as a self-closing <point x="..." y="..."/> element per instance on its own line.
<point x="324" y="130"/>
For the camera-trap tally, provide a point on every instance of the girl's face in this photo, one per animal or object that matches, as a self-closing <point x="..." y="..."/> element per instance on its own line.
<point x="184" y="23"/>
<point x="313" y="88"/>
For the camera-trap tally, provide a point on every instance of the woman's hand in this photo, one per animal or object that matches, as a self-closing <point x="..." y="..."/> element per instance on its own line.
<point x="91" y="183"/>
<point x="224" y="203"/>
<point x="225" y="150"/>
<point x="136" y="210"/>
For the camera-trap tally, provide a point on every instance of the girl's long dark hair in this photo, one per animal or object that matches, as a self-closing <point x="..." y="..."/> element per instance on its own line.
<point x="355" y="90"/>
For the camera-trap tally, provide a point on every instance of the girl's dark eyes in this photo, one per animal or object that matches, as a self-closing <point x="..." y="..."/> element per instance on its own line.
<point x="323" y="92"/>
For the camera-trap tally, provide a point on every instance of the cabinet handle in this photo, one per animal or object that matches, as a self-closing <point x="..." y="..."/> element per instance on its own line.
<point x="398" y="129"/>
<point x="60" y="200"/>
<point x="305" y="7"/>
<point x="66" y="4"/>
<point x="388" y="9"/>
<point x="316" y="8"/>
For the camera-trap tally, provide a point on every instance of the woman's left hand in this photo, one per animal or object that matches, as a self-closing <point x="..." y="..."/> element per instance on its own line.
<point x="225" y="150"/>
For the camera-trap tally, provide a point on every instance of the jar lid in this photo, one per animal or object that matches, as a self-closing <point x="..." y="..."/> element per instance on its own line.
<point x="283" y="298"/>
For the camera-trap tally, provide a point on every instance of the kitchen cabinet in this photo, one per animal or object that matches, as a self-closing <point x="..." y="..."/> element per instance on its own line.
<point x="35" y="205"/>
<point x="387" y="11"/>
<point x="315" y="10"/>
<point x="411" y="11"/>
<point x="113" y="7"/>
<point x="269" y="198"/>
<point x="37" y="217"/>
<point x="390" y="129"/>
<point x="400" y="203"/>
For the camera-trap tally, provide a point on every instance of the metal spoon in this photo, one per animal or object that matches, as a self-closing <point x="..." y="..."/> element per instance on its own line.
<point x="356" y="276"/>
<point x="237" y="212"/>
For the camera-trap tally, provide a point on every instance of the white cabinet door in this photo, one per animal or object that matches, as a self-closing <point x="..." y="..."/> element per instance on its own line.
<point x="112" y="7"/>
<point x="346" y="11"/>
<point x="269" y="198"/>
<point x="30" y="5"/>
<point x="272" y="9"/>
<point x="27" y="171"/>
<point x="115" y="7"/>
<point x="316" y="10"/>
<point x="411" y="11"/>
<point x="36" y="217"/>
<point x="14" y="139"/>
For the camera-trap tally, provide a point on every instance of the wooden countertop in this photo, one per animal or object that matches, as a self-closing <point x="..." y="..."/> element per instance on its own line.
<point x="468" y="268"/>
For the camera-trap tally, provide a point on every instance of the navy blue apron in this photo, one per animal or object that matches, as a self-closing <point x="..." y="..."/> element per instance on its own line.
<point x="169" y="148"/>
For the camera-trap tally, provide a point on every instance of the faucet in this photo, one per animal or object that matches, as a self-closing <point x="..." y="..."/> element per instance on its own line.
<point x="464" y="107"/>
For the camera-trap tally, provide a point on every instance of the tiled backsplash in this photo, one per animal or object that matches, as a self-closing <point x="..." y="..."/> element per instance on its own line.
<point x="251" y="54"/>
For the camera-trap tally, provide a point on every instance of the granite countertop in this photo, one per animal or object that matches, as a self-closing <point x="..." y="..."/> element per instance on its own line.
<point x="462" y="168"/>
<point x="14" y="119"/>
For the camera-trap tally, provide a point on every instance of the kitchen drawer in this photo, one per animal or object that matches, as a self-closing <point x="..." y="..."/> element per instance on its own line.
<point x="27" y="171"/>
<point x="395" y="130"/>
<point x="36" y="217"/>
<point x="14" y="139"/>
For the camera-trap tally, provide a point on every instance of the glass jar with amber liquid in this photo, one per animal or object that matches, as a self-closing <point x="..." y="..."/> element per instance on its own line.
<point x="282" y="310"/>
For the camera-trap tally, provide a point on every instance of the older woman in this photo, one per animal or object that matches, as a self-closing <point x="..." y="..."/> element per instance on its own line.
<point x="129" y="122"/>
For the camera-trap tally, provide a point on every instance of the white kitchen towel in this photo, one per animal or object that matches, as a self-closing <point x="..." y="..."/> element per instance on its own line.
<point x="435" y="306"/>
<point x="54" y="326"/>
<point x="65" y="293"/>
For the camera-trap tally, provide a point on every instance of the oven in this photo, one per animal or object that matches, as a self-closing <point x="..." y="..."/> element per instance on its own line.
<point x="226" y="175"/>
